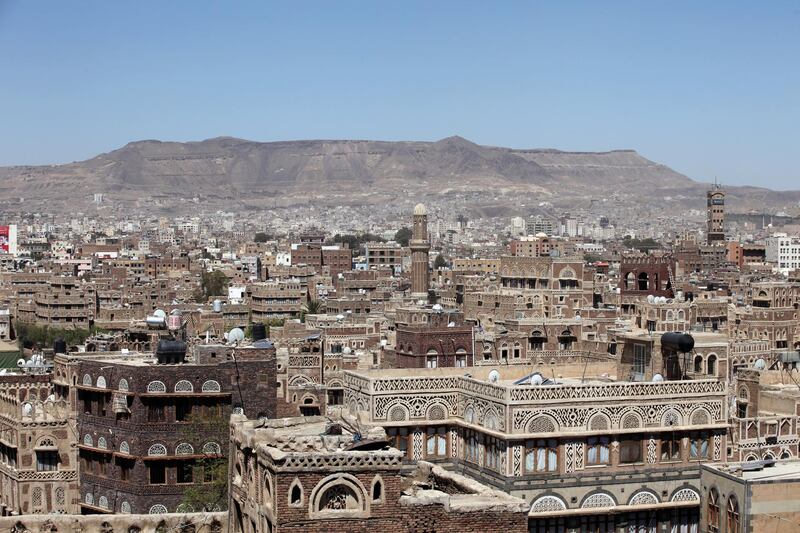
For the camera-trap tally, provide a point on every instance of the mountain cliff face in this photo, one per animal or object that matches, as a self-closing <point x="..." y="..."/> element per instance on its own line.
<point x="226" y="168"/>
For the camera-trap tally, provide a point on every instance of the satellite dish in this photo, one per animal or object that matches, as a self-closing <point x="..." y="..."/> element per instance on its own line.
<point x="651" y="299"/>
<point x="339" y="317"/>
<point x="160" y="313"/>
<point x="760" y="364"/>
<point x="494" y="376"/>
<point x="451" y="325"/>
<point x="537" y="379"/>
<point x="347" y="350"/>
<point x="658" y="378"/>
<point x="20" y="362"/>
<point x="235" y="335"/>
<point x="437" y="308"/>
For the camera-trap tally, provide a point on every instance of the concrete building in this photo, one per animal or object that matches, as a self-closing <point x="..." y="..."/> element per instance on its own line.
<point x="784" y="251"/>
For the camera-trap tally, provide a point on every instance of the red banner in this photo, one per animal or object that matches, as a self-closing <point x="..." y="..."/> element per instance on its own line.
<point x="5" y="236"/>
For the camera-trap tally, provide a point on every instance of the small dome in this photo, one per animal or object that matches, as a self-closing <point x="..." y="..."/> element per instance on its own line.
<point x="420" y="210"/>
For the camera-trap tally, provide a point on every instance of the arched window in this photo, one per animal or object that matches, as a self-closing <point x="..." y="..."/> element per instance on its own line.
<point x="102" y="502"/>
<point x="712" y="511"/>
<point x="644" y="282"/>
<point x="124" y="447"/>
<point x="211" y="386"/>
<point x="87" y="380"/>
<point x="157" y="449"/>
<point x="184" y="386"/>
<point x="339" y="497"/>
<point x="711" y="365"/>
<point x="156" y="387"/>
<point x="733" y="515"/>
<point x="184" y="448"/>
<point x="212" y="448"/>
<point x="101" y="443"/>
<point x="125" y="508"/>
<point x="296" y="493"/>
<point x="377" y="490"/>
<point x="88" y="440"/>
<point x="123" y="384"/>
<point x="158" y="509"/>
<point x="101" y="382"/>
<point x="698" y="364"/>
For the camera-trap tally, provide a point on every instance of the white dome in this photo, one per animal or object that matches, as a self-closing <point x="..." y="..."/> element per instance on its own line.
<point x="420" y="210"/>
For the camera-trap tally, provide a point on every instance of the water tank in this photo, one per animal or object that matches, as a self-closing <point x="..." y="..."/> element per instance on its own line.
<point x="155" y="321"/>
<point x="217" y="306"/>
<point x="677" y="342"/>
<point x="59" y="346"/>
<point x="170" y="352"/>
<point x="259" y="331"/>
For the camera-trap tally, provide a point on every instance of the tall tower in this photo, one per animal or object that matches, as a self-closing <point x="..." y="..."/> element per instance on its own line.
<point x="715" y="215"/>
<point x="420" y="246"/>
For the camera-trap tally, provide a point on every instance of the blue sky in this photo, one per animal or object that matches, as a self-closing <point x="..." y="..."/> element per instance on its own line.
<point x="708" y="88"/>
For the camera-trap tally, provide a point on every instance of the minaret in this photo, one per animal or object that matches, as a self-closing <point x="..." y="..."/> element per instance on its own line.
<point x="715" y="215"/>
<point x="420" y="246"/>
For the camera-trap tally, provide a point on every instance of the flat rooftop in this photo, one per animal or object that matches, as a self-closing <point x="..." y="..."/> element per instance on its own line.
<point x="780" y="470"/>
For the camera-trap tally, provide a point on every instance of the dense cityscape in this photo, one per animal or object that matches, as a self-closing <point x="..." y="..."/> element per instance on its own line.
<point x="413" y="369"/>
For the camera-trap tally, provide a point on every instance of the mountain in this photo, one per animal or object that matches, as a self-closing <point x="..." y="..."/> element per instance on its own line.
<point x="223" y="169"/>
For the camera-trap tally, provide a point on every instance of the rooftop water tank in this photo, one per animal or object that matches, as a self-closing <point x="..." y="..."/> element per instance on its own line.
<point x="677" y="342"/>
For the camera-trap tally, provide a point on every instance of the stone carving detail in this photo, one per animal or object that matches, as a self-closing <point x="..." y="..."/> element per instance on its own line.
<point x="573" y="456"/>
<point x="541" y="424"/>
<point x="717" y="447"/>
<point x="158" y="509"/>
<point x="631" y="421"/>
<point x="416" y="450"/>
<point x="547" y="504"/>
<point x="598" y="499"/>
<point x="398" y="413"/>
<point x="599" y="422"/>
<point x="651" y="451"/>
<point x="453" y="443"/>
<point x="643" y="498"/>
<point x="517" y="460"/>
<point x="437" y="412"/>
<point x="685" y="495"/>
<point x="699" y="417"/>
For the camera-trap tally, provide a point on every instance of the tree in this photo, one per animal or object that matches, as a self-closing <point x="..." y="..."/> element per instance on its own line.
<point x="262" y="237"/>
<point x="439" y="262"/>
<point x="214" y="283"/>
<point x="403" y="235"/>
<point x="643" y="245"/>
<point x="212" y="493"/>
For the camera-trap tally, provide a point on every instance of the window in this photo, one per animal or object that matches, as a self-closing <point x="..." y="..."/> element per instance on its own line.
<point x="125" y="469"/>
<point x="698" y="446"/>
<point x="541" y="455"/>
<point x="495" y="450"/>
<point x="711" y="364"/>
<point x="630" y="450"/>
<point x="158" y="474"/>
<point x="155" y="413"/>
<point x="183" y="410"/>
<point x="733" y="515"/>
<point x="640" y="357"/>
<point x="461" y="361"/>
<point x="185" y="472"/>
<point x="597" y="451"/>
<point x="473" y="447"/>
<point x="671" y="449"/>
<point x="712" y="513"/>
<point x="400" y="438"/>
<point x="431" y="361"/>
<point x="436" y="442"/>
<point x="46" y="460"/>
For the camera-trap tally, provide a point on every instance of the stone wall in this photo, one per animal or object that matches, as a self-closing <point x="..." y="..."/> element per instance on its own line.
<point x="120" y="523"/>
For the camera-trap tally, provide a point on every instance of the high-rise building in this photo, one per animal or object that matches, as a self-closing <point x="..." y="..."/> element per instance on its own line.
<point x="715" y="215"/>
<point x="420" y="246"/>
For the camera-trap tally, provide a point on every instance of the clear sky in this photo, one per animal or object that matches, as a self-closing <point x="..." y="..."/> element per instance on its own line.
<point x="710" y="88"/>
